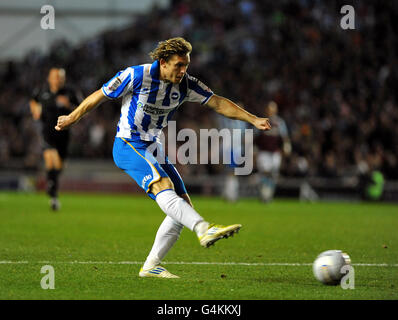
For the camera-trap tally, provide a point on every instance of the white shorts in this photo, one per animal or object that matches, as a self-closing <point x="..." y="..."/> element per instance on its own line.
<point x="269" y="161"/>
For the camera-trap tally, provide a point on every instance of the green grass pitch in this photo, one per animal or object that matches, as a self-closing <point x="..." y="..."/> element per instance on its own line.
<point x="96" y="244"/>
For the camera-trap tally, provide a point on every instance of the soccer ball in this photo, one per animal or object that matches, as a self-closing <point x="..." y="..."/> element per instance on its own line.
<point x="327" y="266"/>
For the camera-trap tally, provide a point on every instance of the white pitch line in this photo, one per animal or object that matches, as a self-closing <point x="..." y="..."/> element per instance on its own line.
<point x="262" y="264"/>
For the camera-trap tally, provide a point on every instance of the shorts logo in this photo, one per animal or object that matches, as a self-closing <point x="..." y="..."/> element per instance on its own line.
<point x="146" y="178"/>
<point x="174" y="95"/>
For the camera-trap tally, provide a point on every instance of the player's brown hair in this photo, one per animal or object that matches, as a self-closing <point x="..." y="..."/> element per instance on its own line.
<point x="167" y="48"/>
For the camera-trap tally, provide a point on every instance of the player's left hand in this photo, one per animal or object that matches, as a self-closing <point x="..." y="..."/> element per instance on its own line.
<point x="262" y="123"/>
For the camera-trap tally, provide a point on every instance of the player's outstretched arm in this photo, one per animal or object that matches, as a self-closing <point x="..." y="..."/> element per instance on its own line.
<point x="92" y="101"/>
<point x="231" y="110"/>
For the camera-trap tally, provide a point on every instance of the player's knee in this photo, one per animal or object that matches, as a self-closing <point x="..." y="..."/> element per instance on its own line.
<point x="163" y="184"/>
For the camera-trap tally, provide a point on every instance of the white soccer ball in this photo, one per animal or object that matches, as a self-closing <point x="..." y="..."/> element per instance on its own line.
<point x="327" y="266"/>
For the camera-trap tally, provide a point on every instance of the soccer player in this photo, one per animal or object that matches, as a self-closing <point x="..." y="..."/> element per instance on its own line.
<point x="151" y="95"/>
<point x="270" y="146"/>
<point x="47" y="104"/>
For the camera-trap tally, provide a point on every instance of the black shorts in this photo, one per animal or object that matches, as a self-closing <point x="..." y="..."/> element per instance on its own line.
<point x="58" y="141"/>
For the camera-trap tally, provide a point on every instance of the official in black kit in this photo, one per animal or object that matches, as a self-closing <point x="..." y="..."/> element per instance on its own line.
<point x="47" y="104"/>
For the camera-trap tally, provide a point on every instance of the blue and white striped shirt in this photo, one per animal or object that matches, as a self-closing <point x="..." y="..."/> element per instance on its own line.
<point x="148" y="102"/>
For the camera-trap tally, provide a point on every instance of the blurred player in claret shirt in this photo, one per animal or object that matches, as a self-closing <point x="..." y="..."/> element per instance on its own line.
<point x="151" y="94"/>
<point x="47" y="104"/>
<point x="271" y="145"/>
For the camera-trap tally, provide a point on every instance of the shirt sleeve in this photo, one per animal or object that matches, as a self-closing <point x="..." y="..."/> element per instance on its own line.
<point x="197" y="91"/>
<point x="119" y="85"/>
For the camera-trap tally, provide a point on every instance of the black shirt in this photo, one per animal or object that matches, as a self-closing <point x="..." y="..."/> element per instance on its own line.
<point x="51" y="110"/>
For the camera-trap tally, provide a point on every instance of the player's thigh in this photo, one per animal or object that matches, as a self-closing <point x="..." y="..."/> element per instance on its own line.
<point x="48" y="158"/>
<point x="58" y="162"/>
<point x="52" y="159"/>
<point x="133" y="158"/>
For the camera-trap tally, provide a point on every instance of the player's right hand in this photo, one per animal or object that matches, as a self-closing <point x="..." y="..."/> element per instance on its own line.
<point x="63" y="123"/>
<point x="262" y="123"/>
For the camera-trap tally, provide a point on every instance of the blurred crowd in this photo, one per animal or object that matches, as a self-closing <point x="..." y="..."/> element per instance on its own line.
<point x="335" y="88"/>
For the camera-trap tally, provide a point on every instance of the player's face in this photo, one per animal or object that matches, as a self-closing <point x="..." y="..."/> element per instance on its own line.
<point x="174" y="69"/>
<point x="271" y="109"/>
<point x="56" y="78"/>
